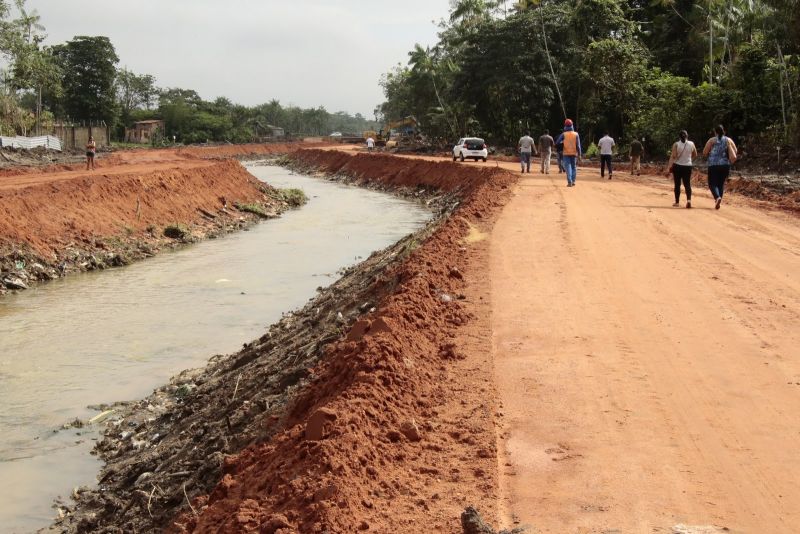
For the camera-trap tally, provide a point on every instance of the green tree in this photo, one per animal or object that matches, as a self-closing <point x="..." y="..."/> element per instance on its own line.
<point x="134" y="91"/>
<point x="498" y="75"/>
<point x="88" y="64"/>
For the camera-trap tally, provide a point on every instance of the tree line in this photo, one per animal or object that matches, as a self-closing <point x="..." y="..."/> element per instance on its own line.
<point x="81" y="81"/>
<point x="637" y="68"/>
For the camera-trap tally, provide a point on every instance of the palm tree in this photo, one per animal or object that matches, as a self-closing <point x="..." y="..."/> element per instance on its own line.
<point x="422" y="62"/>
<point x="471" y="12"/>
<point x="29" y="22"/>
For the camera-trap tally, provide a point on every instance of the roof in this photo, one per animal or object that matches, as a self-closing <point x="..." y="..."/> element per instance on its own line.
<point x="149" y="121"/>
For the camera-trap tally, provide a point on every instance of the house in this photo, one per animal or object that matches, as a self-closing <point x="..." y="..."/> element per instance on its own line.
<point x="277" y="131"/>
<point x="144" y="131"/>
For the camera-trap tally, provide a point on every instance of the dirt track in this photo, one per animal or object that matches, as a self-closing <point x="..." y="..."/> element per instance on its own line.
<point x="646" y="359"/>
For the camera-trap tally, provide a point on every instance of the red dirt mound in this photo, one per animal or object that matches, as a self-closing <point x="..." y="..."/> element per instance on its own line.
<point x="395" y="432"/>
<point x="48" y="216"/>
<point x="387" y="170"/>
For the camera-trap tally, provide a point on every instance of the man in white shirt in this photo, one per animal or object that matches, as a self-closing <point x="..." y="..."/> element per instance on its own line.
<point x="526" y="146"/>
<point x="606" y="145"/>
<point x="370" y="144"/>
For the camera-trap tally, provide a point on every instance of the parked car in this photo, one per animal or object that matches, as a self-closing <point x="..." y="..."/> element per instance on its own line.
<point x="470" y="147"/>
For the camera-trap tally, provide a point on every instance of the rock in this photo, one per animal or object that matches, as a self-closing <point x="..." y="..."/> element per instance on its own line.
<point x="455" y="273"/>
<point x="175" y="232"/>
<point x="444" y="297"/>
<point x="472" y="523"/>
<point x="394" y="436"/>
<point x="358" y="330"/>
<point x="319" y="424"/>
<point x="379" y="325"/>
<point x="410" y="430"/>
<point x="340" y="318"/>
<point x="13" y="282"/>
<point x="326" y="493"/>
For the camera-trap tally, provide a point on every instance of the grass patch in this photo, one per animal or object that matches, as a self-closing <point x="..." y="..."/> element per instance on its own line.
<point x="256" y="209"/>
<point x="292" y="196"/>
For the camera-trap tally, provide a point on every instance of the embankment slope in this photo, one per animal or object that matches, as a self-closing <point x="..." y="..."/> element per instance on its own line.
<point x="59" y="219"/>
<point x="395" y="430"/>
<point x="376" y="419"/>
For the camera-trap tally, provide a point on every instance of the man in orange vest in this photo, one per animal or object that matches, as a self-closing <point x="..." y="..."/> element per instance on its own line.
<point x="572" y="151"/>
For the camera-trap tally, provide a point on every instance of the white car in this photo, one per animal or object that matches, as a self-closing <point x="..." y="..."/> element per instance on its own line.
<point x="470" y="147"/>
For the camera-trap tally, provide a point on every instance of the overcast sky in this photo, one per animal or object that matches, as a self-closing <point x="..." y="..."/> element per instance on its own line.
<point x="302" y="52"/>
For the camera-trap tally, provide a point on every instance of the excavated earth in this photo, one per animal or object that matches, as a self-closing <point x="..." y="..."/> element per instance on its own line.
<point x="61" y="218"/>
<point x="362" y="411"/>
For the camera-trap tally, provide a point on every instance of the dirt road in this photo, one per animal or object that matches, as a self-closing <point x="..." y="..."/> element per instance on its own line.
<point x="647" y="360"/>
<point x="135" y="162"/>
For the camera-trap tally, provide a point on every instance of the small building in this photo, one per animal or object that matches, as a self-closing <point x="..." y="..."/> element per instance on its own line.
<point x="277" y="131"/>
<point x="144" y="131"/>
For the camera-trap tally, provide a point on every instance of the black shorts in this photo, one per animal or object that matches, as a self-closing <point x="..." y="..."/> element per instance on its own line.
<point x="90" y="154"/>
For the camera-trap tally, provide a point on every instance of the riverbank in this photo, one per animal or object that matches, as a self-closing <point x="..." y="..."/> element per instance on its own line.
<point x="62" y="219"/>
<point x="358" y="411"/>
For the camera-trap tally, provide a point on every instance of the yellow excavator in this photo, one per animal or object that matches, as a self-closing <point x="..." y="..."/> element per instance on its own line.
<point x="394" y="133"/>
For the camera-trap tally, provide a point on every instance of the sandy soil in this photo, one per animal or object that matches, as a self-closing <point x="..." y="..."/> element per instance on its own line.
<point x="646" y="359"/>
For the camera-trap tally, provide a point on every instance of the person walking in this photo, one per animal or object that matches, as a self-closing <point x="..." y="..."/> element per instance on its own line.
<point x="606" y="144"/>
<point x="560" y="153"/>
<point x="680" y="163"/>
<point x="370" y="144"/>
<point x="637" y="149"/>
<point x="546" y="143"/>
<point x="572" y="151"/>
<point x="527" y="146"/>
<point x="721" y="153"/>
<point x="91" y="149"/>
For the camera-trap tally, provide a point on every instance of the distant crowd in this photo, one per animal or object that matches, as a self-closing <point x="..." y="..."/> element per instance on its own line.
<point x="720" y="151"/>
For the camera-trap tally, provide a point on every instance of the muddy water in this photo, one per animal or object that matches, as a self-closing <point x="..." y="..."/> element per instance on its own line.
<point x="115" y="335"/>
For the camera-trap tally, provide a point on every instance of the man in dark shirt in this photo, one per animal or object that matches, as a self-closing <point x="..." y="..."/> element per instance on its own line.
<point x="546" y="144"/>
<point x="636" y="156"/>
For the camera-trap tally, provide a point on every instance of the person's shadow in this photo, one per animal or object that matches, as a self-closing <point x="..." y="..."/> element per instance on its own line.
<point x="681" y="207"/>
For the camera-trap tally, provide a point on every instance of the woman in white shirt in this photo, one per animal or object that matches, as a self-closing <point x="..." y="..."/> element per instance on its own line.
<point x="683" y="152"/>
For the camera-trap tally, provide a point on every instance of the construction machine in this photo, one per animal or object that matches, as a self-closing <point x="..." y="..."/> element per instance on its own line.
<point x="394" y="133"/>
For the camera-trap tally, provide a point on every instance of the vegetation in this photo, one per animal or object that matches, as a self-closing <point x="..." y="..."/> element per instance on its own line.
<point x="294" y="197"/>
<point x="176" y="231"/>
<point x="80" y="81"/>
<point x="254" y="208"/>
<point x="636" y="68"/>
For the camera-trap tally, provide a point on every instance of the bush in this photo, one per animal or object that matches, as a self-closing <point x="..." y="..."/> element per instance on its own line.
<point x="294" y="197"/>
<point x="665" y="111"/>
<point x="592" y="151"/>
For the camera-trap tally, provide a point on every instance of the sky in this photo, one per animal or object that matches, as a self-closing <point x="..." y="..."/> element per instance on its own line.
<point x="307" y="53"/>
